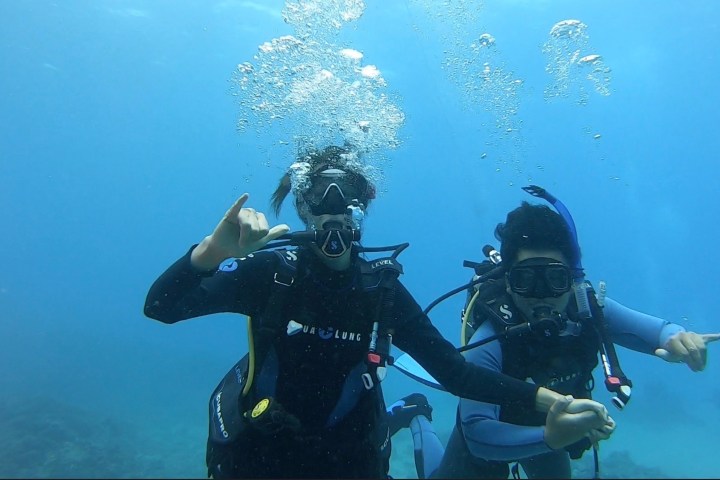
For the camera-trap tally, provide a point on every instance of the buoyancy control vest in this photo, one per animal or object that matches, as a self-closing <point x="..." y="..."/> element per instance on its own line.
<point x="244" y="402"/>
<point x="563" y="363"/>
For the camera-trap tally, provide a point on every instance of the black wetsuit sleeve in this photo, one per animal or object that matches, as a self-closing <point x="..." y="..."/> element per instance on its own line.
<point x="183" y="292"/>
<point x="416" y="335"/>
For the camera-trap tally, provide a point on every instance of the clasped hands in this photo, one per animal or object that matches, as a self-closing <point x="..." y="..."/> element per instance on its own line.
<point x="570" y="420"/>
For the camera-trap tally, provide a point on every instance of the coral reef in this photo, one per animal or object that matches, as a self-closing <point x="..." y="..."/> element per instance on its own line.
<point x="44" y="438"/>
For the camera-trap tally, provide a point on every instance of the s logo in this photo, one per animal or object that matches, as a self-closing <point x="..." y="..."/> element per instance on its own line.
<point x="506" y="312"/>
<point x="228" y="265"/>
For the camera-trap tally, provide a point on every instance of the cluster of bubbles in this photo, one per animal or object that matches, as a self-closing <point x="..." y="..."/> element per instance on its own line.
<point x="570" y="66"/>
<point x="313" y="92"/>
<point x="487" y="84"/>
<point x="456" y="17"/>
<point x="474" y="64"/>
<point x="317" y="19"/>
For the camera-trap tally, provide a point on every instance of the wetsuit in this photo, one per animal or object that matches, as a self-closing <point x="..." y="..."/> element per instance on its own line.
<point x="487" y="437"/>
<point x="315" y="359"/>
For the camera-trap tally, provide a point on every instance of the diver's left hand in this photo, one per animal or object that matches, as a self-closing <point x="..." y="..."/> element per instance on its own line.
<point x="689" y="348"/>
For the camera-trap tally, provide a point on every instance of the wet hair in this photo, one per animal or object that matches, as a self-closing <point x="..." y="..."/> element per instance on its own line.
<point x="278" y="196"/>
<point x="329" y="157"/>
<point x="534" y="227"/>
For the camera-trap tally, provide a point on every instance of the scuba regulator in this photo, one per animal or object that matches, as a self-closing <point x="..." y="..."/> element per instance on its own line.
<point x="335" y="242"/>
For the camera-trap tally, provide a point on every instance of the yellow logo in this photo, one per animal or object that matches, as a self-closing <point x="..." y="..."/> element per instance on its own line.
<point x="261" y="406"/>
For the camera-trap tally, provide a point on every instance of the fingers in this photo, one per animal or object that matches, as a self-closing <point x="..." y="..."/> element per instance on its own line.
<point x="586" y="417"/>
<point x="560" y="405"/>
<point x="697" y="353"/>
<point x="710" y="337"/>
<point x="277" y="231"/>
<point x="241" y="231"/>
<point x="232" y="214"/>
<point x="253" y="225"/>
<point x="602" y="433"/>
<point x="585" y="420"/>
<point x="608" y="428"/>
<point x="585" y="405"/>
<point x="611" y="425"/>
<point x="667" y="356"/>
<point x="686" y="347"/>
<point x="255" y="231"/>
<point x="597" y="435"/>
<point x="563" y="428"/>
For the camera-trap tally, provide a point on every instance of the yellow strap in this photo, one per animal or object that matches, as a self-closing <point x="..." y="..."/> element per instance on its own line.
<point x="466" y="315"/>
<point x="251" y="358"/>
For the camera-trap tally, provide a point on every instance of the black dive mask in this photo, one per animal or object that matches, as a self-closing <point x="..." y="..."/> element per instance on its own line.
<point x="332" y="202"/>
<point x="539" y="278"/>
<point x="332" y="190"/>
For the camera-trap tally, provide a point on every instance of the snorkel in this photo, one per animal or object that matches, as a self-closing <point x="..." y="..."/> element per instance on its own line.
<point x="615" y="380"/>
<point x="578" y="274"/>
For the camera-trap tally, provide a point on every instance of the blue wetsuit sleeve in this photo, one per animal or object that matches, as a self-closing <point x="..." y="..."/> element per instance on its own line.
<point x="183" y="292"/>
<point x="485" y="435"/>
<point x="636" y="330"/>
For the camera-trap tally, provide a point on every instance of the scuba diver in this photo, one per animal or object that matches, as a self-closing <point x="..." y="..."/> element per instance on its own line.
<point x="306" y="401"/>
<point x="531" y="314"/>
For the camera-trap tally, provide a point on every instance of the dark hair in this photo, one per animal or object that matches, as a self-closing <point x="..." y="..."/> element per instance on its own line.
<point x="328" y="157"/>
<point x="536" y="227"/>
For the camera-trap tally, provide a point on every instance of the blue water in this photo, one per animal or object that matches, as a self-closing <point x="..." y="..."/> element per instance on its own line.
<point x="119" y="149"/>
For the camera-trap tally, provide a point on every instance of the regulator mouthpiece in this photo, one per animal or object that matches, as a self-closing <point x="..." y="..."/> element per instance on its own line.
<point x="333" y="243"/>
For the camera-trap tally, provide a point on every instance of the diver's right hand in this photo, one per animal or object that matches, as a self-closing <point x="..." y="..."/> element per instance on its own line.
<point x="240" y="232"/>
<point x="563" y="427"/>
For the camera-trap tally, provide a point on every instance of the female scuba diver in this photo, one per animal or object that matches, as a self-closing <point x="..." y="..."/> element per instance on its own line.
<point x="307" y="400"/>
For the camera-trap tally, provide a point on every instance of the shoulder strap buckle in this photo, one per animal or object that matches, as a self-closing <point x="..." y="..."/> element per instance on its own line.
<point x="286" y="281"/>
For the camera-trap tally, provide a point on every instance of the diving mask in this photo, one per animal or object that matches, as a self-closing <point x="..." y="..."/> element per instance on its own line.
<point x="332" y="190"/>
<point x="540" y="278"/>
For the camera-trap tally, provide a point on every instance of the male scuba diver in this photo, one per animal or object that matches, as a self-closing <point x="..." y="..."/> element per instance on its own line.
<point x="307" y="402"/>
<point x="525" y="321"/>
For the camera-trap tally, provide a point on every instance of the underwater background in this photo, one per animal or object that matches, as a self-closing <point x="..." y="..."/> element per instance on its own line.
<point x="127" y="128"/>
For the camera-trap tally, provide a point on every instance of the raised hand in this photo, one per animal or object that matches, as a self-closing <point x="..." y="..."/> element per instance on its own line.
<point x="240" y="232"/>
<point x="689" y="348"/>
